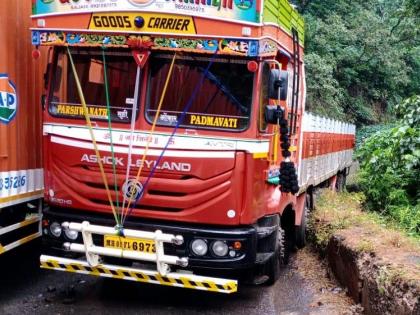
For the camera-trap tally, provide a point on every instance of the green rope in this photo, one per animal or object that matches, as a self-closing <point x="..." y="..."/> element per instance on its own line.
<point x="110" y="133"/>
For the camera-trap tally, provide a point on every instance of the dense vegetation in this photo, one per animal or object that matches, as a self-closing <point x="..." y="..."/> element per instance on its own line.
<point x="362" y="57"/>
<point x="363" y="65"/>
<point x="390" y="167"/>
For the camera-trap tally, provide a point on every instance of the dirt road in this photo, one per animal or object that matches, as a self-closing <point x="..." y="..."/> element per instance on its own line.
<point x="304" y="288"/>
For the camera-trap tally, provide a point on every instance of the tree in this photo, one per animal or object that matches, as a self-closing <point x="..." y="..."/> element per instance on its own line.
<point x="362" y="57"/>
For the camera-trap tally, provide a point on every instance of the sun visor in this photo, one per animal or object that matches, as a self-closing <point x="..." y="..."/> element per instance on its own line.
<point x="284" y="54"/>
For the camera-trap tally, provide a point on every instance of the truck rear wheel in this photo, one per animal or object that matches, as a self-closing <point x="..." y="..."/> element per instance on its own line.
<point x="340" y="185"/>
<point x="300" y="230"/>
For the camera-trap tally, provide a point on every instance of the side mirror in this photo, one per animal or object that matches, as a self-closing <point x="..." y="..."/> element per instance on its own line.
<point x="273" y="114"/>
<point x="278" y="84"/>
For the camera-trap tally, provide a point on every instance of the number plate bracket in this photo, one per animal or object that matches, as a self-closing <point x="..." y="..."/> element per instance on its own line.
<point x="93" y="252"/>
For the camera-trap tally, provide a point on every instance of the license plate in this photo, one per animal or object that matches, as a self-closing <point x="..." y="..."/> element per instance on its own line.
<point x="127" y="243"/>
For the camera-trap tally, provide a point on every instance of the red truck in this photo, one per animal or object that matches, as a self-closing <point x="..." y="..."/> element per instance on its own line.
<point x="177" y="149"/>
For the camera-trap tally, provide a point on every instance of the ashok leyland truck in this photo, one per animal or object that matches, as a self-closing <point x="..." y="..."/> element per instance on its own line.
<point x="177" y="150"/>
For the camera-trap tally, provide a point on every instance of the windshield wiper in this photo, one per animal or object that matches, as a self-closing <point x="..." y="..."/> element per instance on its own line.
<point x="224" y="89"/>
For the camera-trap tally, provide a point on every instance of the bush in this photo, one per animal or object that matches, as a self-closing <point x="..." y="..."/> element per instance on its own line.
<point x="390" y="167"/>
<point x="365" y="132"/>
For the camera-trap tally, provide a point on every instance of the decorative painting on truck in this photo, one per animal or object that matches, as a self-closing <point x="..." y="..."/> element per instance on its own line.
<point x="250" y="48"/>
<point x="8" y="99"/>
<point x="238" y="10"/>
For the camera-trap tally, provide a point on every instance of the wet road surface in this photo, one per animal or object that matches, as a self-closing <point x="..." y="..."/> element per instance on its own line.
<point x="304" y="288"/>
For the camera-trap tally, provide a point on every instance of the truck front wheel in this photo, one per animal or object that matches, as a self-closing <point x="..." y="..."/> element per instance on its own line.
<point x="300" y="230"/>
<point x="278" y="260"/>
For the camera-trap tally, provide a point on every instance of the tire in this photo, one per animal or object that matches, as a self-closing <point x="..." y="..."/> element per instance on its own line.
<point x="341" y="182"/>
<point x="300" y="231"/>
<point x="277" y="261"/>
<point x="311" y="199"/>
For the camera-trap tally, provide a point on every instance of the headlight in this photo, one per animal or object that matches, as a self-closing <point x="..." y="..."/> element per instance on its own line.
<point x="71" y="234"/>
<point x="199" y="247"/>
<point x="219" y="248"/>
<point x="55" y="229"/>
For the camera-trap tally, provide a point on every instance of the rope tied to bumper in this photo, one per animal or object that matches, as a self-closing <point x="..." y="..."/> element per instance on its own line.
<point x="108" y="106"/>
<point x="92" y="135"/>
<point x="180" y="120"/>
<point x="149" y="139"/>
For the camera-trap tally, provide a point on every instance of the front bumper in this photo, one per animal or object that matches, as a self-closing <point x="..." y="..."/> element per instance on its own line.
<point x="174" y="279"/>
<point x="244" y="259"/>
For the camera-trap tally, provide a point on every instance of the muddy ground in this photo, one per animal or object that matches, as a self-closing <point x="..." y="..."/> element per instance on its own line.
<point x="305" y="287"/>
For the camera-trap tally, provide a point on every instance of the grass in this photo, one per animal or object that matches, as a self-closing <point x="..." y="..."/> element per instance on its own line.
<point x="339" y="211"/>
<point x="342" y="215"/>
<point x="365" y="246"/>
<point x="386" y="276"/>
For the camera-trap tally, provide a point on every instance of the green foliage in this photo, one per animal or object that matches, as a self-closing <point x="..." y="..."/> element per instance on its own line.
<point x="362" y="60"/>
<point x="327" y="90"/>
<point x="390" y="167"/>
<point x="365" y="132"/>
<point x="362" y="56"/>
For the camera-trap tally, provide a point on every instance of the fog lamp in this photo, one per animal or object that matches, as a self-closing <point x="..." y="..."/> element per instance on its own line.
<point x="71" y="234"/>
<point x="199" y="247"/>
<point x="219" y="248"/>
<point x="55" y="229"/>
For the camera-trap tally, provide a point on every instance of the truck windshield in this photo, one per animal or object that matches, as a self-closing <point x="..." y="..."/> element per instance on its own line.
<point x="223" y="101"/>
<point x="121" y="73"/>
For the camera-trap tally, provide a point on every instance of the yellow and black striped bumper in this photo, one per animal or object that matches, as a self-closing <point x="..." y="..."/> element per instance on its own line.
<point x="174" y="279"/>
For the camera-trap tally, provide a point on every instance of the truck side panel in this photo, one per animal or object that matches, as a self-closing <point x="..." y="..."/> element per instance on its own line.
<point x="21" y="176"/>
<point x="327" y="149"/>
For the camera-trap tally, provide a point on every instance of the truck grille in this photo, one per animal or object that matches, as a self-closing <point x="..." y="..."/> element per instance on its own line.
<point x="165" y="191"/>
